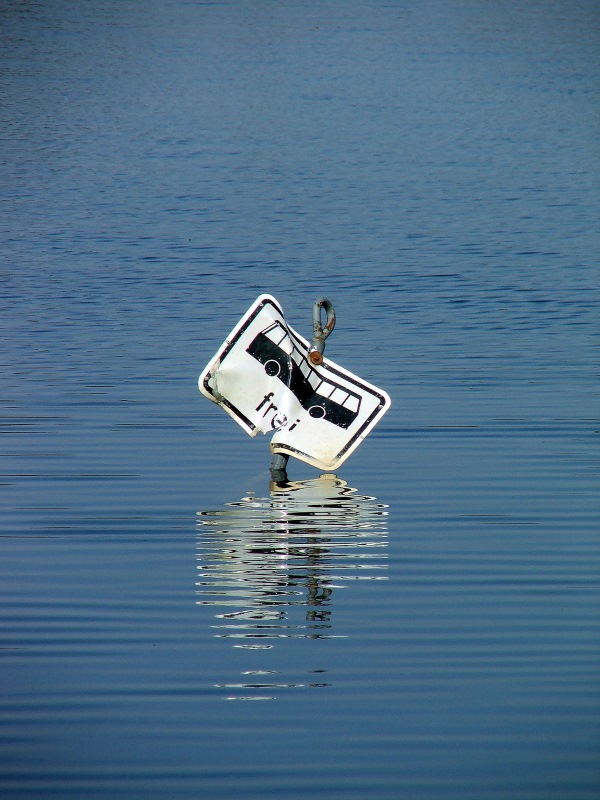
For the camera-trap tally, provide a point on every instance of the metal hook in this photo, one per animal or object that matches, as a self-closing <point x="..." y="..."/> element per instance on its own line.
<point x="315" y="353"/>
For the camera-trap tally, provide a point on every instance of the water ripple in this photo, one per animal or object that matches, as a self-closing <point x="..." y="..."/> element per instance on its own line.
<point x="271" y="565"/>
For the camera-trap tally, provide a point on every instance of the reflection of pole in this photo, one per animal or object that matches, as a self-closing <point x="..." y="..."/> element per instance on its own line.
<point x="279" y="461"/>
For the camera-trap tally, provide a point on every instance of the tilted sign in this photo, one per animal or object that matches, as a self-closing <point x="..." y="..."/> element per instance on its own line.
<point x="262" y="377"/>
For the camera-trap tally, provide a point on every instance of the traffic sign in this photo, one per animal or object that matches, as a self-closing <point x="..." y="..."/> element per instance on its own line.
<point x="263" y="378"/>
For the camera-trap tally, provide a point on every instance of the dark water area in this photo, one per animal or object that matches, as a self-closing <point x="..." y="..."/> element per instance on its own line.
<point x="425" y="624"/>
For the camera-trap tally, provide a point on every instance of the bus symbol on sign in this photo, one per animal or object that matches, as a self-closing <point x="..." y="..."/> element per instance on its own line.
<point x="261" y="376"/>
<point x="323" y="399"/>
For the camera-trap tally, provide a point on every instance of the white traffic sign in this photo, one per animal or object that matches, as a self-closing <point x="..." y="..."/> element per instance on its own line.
<point x="262" y="377"/>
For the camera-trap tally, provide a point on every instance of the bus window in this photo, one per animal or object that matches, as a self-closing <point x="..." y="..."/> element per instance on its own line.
<point x="274" y="333"/>
<point x="352" y="403"/>
<point x="313" y="379"/>
<point x="304" y="368"/>
<point x="339" y="396"/>
<point x="326" y="389"/>
<point x="279" y="336"/>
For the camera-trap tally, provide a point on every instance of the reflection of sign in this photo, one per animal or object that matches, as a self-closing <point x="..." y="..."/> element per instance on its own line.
<point x="268" y="560"/>
<point x="262" y="377"/>
<point x="271" y="567"/>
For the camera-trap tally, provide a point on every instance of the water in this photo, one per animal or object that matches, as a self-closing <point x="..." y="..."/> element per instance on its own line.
<point x="273" y="565"/>
<point x="426" y="625"/>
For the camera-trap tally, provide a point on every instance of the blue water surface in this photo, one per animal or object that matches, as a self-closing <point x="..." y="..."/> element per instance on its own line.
<point x="426" y="623"/>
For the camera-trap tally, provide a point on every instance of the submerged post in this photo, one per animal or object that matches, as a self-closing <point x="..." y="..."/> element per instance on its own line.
<point x="279" y="461"/>
<point x="278" y="467"/>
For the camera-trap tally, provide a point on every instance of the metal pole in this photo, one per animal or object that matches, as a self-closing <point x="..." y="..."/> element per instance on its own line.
<point x="279" y="461"/>
<point x="278" y="467"/>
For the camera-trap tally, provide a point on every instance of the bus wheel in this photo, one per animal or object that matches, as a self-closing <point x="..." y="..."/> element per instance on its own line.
<point x="272" y="368"/>
<point x="317" y="412"/>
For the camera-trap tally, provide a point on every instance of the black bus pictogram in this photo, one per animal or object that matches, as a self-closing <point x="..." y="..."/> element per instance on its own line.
<point x="275" y="350"/>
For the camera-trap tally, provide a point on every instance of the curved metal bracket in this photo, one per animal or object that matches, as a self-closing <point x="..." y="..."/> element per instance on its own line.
<point x="321" y="332"/>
